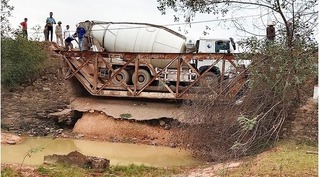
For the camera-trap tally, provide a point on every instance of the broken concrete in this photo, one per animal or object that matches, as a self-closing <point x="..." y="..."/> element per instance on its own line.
<point x="129" y="109"/>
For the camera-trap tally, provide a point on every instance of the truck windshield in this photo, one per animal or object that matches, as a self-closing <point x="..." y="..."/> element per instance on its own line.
<point x="222" y="47"/>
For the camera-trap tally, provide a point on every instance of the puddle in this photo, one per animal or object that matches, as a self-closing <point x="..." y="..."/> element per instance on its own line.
<point x="117" y="153"/>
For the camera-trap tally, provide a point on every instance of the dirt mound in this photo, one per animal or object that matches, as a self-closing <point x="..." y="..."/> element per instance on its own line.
<point x="100" y="126"/>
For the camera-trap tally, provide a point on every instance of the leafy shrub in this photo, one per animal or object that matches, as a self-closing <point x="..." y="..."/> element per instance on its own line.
<point x="8" y="172"/>
<point x="280" y="78"/>
<point x="138" y="170"/>
<point x="20" y="60"/>
<point x="61" y="170"/>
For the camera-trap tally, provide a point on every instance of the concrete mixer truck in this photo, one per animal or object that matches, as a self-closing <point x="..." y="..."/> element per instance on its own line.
<point x="145" y="60"/>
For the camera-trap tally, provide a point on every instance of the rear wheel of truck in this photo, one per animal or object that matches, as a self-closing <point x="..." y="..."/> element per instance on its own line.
<point x="143" y="77"/>
<point x="123" y="76"/>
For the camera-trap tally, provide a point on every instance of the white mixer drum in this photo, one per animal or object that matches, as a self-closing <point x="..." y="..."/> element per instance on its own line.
<point x="127" y="37"/>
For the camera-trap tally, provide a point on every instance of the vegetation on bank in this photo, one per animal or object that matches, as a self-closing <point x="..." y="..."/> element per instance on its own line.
<point x="288" y="158"/>
<point x="282" y="71"/>
<point x="21" y="60"/>
<point x="279" y="82"/>
<point x="139" y="170"/>
<point x="63" y="170"/>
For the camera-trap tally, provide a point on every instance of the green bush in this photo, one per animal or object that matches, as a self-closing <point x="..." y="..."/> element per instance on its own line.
<point x="138" y="170"/>
<point x="20" y="60"/>
<point x="61" y="170"/>
<point x="8" y="172"/>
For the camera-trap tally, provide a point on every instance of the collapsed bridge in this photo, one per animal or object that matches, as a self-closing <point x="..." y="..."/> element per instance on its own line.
<point x="127" y="74"/>
<point x="140" y="60"/>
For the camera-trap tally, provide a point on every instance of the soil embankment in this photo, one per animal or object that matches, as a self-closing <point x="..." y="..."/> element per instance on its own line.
<point x="26" y="109"/>
<point x="100" y="126"/>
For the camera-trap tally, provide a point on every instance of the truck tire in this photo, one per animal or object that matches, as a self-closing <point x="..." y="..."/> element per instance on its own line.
<point x="143" y="77"/>
<point x="123" y="76"/>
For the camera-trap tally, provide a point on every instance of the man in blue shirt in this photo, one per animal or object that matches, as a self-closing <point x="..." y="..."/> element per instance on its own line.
<point x="68" y="42"/>
<point x="80" y="33"/>
<point x="50" y="21"/>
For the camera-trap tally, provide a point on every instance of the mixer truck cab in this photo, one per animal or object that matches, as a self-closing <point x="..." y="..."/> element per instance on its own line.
<point x="211" y="45"/>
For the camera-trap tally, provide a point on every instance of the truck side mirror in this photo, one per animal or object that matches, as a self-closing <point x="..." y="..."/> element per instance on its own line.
<point x="233" y="43"/>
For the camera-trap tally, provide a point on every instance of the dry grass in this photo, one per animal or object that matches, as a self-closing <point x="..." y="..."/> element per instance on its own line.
<point x="288" y="158"/>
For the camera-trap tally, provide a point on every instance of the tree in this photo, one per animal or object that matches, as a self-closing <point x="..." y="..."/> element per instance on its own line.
<point x="280" y="77"/>
<point x="5" y="14"/>
<point x="36" y="36"/>
<point x="295" y="16"/>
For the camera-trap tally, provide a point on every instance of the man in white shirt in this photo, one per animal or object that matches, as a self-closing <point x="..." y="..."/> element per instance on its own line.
<point x="66" y="32"/>
<point x="59" y="34"/>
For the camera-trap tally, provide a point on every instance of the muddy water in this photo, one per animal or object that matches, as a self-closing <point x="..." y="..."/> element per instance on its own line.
<point x="117" y="153"/>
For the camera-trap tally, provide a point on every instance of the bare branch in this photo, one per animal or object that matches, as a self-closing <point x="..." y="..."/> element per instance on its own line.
<point x="248" y="3"/>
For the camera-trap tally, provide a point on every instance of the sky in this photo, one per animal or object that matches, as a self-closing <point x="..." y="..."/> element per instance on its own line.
<point x="71" y="12"/>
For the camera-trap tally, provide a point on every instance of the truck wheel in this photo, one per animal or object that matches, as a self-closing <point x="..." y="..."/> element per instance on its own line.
<point x="209" y="80"/>
<point x="143" y="77"/>
<point x="123" y="76"/>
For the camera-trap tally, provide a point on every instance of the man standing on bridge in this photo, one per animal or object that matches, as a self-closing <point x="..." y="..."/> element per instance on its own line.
<point x="271" y="33"/>
<point x="80" y="33"/>
<point x="68" y="42"/>
<point x="50" y="21"/>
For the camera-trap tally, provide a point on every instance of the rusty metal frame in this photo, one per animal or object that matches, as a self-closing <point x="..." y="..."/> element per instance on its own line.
<point x="114" y="75"/>
<point x="105" y="88"/>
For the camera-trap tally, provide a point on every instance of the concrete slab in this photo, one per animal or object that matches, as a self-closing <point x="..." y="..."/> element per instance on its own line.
<point x="130" y="109"/>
